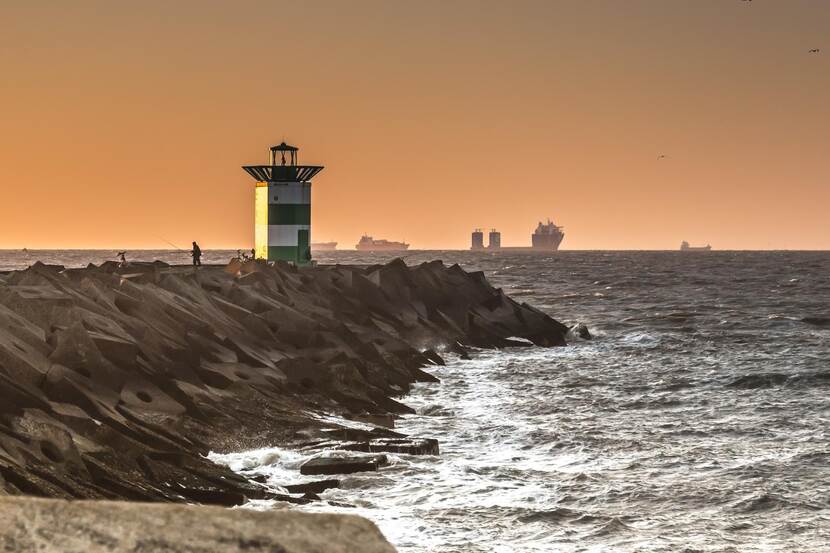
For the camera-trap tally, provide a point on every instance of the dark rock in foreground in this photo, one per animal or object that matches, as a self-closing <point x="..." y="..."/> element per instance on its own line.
<point x="343" y="465"/>
<point x="57" y="526"/>
<point x="114" y="383"/>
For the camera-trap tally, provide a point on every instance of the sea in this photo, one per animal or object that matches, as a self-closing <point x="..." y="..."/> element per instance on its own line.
<point x="696" y="419"/>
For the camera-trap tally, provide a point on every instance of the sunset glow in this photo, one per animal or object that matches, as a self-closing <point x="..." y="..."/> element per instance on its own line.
<point x="125" y="123"/>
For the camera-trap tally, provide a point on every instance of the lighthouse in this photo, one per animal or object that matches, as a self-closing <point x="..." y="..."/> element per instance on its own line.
<point x="282" y="206"/>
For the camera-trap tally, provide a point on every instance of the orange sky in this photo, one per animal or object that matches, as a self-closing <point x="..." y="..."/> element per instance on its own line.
<point x="127" y="122"/>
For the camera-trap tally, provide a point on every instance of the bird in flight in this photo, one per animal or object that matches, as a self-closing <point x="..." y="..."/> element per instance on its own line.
<point x="661" y="156"/>
<point x="814" y="51"/>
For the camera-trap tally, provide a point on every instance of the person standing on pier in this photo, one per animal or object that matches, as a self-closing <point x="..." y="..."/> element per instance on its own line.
<point x="196" y="252"/>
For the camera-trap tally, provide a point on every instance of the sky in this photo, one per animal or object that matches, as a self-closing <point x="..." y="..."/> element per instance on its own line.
<point x="125" y="124"/>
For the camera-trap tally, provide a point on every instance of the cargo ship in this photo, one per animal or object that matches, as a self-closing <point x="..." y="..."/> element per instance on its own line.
<point x="685" y="247"/>
<point x="323" y="246"/>
<point x="547" y="236"/>
<point x="369" y="244"/>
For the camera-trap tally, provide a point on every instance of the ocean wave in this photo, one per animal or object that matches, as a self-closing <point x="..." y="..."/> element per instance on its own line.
<point x="821" y="458"/>
<point x="659" y="403"/>
<point x="817" y="321"/>
<point x="564" y="514"/>
<point x="582" y="382"/>
<point x="772" y="380"/>
<point x="433" y="410"/>
<point x="613" y="526"/>
<point x="770" y="502"/>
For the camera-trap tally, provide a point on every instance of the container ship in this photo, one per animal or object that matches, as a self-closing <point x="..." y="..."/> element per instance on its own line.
<point x="369" y="244"/>
<point x="324" y="246"/>
<point x="685" y="247"/>
<point x="547" y="236"/>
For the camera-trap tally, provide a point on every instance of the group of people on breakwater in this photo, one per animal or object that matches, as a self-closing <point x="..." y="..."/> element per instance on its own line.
<point x="195" y="253"/>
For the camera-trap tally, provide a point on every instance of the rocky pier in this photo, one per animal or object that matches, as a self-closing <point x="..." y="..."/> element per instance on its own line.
<point x="116" y="382"/>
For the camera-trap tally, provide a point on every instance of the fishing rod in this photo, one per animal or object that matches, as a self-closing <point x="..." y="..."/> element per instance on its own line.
<point x="172" y="244"/>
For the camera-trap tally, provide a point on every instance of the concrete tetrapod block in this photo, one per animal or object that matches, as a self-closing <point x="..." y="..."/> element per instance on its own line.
<point x="58" y="526"/>
<point x="409" y="446"/>
<point x="343" y="465"/>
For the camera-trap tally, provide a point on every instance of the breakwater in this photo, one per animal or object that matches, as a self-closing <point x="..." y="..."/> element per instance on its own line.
<point x="117" y="381"/>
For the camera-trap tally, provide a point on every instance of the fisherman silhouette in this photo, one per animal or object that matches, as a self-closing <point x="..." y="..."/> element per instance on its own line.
<point x="196" y="252"/>
<point x="123" y="257"/>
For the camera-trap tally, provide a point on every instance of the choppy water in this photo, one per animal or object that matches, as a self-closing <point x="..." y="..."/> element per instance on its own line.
<point x="697" y="420"/>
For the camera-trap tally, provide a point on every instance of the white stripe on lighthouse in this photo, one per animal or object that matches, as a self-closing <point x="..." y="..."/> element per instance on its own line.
<point x="285" y="235"/>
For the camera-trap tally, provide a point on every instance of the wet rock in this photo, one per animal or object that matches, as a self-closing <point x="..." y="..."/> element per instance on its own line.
<point x="433" y="357"/>
<point x="410" y="446"/>
<point x="580" y="330"/>
<point x="343" y="465"/>
<point x="359" y="434"/>
<point x="316" y="487"/>
<point x="387" y="421"/>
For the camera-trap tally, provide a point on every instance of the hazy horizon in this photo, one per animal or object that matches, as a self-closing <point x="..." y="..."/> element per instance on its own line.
<point x="127" y="124"/>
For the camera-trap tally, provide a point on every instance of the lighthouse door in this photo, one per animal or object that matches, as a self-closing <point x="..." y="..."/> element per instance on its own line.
<point x="303" y="247"/>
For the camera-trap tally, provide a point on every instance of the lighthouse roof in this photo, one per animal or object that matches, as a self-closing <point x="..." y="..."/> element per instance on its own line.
<point x="283" y="147"/>
<point x="282" y="173"/>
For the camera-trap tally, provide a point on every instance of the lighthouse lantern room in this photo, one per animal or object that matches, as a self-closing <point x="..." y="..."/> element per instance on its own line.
<point x="282" y="206"/>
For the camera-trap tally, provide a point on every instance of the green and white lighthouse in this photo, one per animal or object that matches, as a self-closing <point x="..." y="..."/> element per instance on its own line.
<point x="282" y="207"/>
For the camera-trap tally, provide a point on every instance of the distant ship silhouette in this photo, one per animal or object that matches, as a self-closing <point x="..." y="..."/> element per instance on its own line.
<point x="369" y="244"/>
<point x="685" y="247"/>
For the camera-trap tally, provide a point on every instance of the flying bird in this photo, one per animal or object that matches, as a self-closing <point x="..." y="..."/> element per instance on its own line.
<point x="814" y="51"/>
<point x="661" y="156"/>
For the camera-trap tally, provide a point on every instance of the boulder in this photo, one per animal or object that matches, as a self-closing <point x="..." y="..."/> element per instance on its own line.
<point x="343" y="465"/>
<point x="410" y="446"/>
<point x="318" y="486"/>
<point x="581" y="331"/>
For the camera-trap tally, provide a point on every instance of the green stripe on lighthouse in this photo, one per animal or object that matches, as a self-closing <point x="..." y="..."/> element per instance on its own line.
<point x="289" y="214"/>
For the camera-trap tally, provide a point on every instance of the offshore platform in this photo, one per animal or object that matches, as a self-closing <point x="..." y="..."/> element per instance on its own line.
<point x="282" y="207"/>
<point x="477" y="240"/>
<point x="494" y="240"/>
<point x="547" y="237"/>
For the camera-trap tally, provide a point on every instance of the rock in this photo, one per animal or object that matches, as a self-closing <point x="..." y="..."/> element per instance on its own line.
<point x="57" y="526"/>
<point x="433" y="357"/>
<point x="343" y="465"/>
<point x="387" y="421"/>
<point x="580" y="330"/>
<point x="316" y="487"/>
<point x="410" y="446"/>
